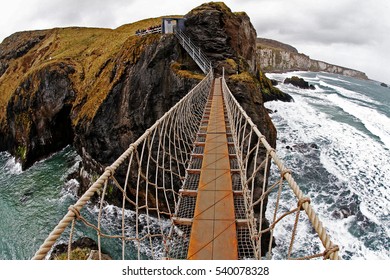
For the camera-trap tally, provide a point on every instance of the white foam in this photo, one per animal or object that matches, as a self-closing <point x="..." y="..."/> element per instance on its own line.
<point x="375" y="122"/>
<point x="112" y="222"/>
<point x="359" y="161"/>
<point x="349" y="244"/>
<point x="338" y="79"/>
<point x="70" y="188"/>
<point x="349" y="93"/>
<point x="12" y="166"/>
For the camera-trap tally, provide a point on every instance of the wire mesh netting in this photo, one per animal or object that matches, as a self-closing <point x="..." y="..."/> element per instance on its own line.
<point x="253" y="160"/>
<point x="156" y="181"/>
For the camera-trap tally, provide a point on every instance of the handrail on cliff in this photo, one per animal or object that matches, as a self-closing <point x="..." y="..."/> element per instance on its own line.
<point x="249" y="143"/>
<point x="194" y="51"/>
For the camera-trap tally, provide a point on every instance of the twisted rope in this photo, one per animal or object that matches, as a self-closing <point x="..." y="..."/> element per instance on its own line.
<point x="172" y="136"/>
<point x="242" y="126"/>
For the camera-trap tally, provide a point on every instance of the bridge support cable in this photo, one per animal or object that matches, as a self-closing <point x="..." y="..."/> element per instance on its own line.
<point x="194" y="51"/>
<point x="146" y="178"/>
<point x="254" y="156"/>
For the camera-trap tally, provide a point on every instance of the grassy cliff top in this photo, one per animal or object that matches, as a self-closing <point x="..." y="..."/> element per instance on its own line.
<point x="273" y="44"/>
<point x="92" y="52"/>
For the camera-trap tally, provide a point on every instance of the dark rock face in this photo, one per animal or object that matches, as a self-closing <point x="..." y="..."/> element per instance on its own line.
<point x="298" y="82"/>
<point x="223" y="35"/>
<point x="271" y="93"/>
<point x="384" y="85"/>
<point x="18" y="45"/>
<point x="144" y="92"/>
<point x="226" y="35"/>
<point x="229" y="39"/>
<point x="39" y="114"/>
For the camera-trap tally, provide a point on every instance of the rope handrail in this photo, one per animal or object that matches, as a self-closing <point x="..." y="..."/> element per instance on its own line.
<point x="248" y="140"/>
<point x="194" y="51"/>
<point x="156" y="176"/>
<point x="156" y="162"/>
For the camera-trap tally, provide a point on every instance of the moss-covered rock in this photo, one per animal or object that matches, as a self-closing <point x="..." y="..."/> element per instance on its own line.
<point x="84" y="248"/>
<point x="271" y="93"/>
<point x="298" y="82"/>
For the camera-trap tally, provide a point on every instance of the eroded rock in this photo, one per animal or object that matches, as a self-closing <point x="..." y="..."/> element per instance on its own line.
<point x="298" y="82"/>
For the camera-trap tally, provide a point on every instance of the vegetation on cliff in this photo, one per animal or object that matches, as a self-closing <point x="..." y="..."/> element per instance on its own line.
<point x="57" y="80"/>
<point x="271" y="93"/>
<point x="100" y="89"/>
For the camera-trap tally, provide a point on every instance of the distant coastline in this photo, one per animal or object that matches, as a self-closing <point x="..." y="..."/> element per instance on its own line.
<point x="278" y="57"/>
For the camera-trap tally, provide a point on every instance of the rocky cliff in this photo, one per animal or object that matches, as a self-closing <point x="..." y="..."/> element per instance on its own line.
<point x="100" y="89"/>
<point x="229" y="40"/>
<point x="274" y="56"/>
<point x="97" y="89"/>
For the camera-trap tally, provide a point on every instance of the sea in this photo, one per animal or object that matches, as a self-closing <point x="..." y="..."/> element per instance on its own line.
<point x="335" y="139"/>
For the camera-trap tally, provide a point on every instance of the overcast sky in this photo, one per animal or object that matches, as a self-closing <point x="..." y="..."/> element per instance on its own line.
<point x="350" y="33"/>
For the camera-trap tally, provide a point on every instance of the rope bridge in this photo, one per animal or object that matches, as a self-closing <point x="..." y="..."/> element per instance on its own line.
<point x="254" y="169"/>
<point x="158" y="178"/>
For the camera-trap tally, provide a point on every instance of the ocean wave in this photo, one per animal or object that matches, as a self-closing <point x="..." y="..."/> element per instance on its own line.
<point x="375" y="122"/>
<point x="349" y="93"/>
<point x="151" y="247"/>
<point x="338" y="79"/>
<point x="11" y="166"/>
<point x="358" y="162"/>
<point x="351" y="246"/>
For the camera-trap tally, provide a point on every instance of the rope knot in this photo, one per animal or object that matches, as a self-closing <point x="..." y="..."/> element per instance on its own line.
<point x="332" y="249"/>
<point x="111" y="170"/>
<point x="75" y="211"/>
<point x="302" y="201"/>
<point x="284" y="172"/>
<point x="270" y="151"/>
<point x="132" y="145"/>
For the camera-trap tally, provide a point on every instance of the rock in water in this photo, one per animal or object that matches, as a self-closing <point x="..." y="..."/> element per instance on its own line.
<point x="298" y="82"/>
<point x="94" y="255"/>
<point x="84" y="248"/>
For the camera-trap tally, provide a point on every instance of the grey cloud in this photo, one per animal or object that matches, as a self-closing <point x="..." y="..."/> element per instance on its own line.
<point x="345" y="21"/>
<point x="77" y="12"/>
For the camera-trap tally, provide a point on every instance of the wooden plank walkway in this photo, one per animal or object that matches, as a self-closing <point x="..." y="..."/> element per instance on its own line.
<point x="213" y="234"/>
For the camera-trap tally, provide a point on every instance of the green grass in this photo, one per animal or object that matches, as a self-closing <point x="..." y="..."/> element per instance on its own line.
<point x="176" y="67"/>
<point x="92" y="52"/>
<point x="75" y="254"/>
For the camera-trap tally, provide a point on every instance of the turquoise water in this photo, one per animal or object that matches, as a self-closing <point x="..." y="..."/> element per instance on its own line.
<point x="32" y="202"/>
